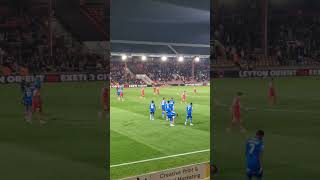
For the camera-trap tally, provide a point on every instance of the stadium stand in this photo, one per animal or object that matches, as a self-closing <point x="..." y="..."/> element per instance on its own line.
<point x="159" y="72"/>
<point x="119" y="75"/>
<point x="154" y="69"/>
<point x="26" y="47"/>
<point x="292" y="38"/>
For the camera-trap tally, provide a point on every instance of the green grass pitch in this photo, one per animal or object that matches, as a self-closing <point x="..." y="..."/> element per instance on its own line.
<point x="134" y="137"/>
<point x="71" y="146"/>
<point x="291" y="127"/>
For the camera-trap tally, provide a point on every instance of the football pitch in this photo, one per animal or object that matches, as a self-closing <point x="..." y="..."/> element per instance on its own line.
<point x="140" y="146"/>
<point x="70" y="146"/>
<point x="291" y="127"/>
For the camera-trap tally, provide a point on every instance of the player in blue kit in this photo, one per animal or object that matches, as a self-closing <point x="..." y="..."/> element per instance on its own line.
<point x="171" y="104"/>
<point x="120" y="92"/>
<point x="27" y="102"/>
<point x="152" y="109"/>
<point x="171" y="115"/>
<point x="163" y="107"/>
<point x="167" y="108"/>
<point x="254" y="154"/>
<point x="189" y="114"/>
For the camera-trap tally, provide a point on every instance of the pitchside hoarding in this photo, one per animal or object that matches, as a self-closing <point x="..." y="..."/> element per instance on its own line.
<point x="266" y="73"/>
<point x="55" y="78"/>
<point x="191" y="172"/>
<point x="139" y="85"/>
<point x="274" y="73"/>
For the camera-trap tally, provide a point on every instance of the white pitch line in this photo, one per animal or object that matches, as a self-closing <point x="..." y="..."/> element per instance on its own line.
<point x="271" y="109"/>
<point x="285" y="110"/>
<point x="159" y="158"/>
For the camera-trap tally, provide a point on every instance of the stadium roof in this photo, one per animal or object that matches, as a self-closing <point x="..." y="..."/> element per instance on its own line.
<point x="160" y="21"/>
<point x="158" y="49"/>
<point x="167" y="21"/>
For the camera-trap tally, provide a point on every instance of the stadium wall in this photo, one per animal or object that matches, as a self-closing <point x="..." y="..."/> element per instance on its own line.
<point x="265" y="73"/>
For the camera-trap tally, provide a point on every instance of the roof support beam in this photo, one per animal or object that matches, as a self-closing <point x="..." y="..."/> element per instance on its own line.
<point x="160" y="43"/>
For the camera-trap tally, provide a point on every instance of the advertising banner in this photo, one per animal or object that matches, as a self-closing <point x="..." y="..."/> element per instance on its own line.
<point x="55" y="78"/>
<point x="266" y="73"/>
<point x="191" y="172"/>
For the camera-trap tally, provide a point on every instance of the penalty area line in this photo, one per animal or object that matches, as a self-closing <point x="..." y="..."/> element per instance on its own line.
<point x="159" y="158"/>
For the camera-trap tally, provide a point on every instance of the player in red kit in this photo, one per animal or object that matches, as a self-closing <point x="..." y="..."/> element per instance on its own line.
<point x="184" y="97"/>
<point x="105" y="101"/>
<point x="154" y="90"/>
<point x="236" y="113"/>
<point x="121" y="89"/>
<point x="272" y="93"/>
<point x="158" y="90"/>
<point x="194" y="90"/>
<point x="105" y="98"/>
<point x="37" y="105"/>
<point x="142" y="92"/>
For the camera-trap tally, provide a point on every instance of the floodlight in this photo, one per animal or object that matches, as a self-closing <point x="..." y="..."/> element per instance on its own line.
<point x="180" y="59"/>
<point x="164" y="58"/>
<point x="124" y="57"/>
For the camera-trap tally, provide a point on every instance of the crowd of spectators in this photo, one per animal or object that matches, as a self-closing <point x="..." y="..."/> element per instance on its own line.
<point x="296" y="39"/>
<point x="160" y="72"/>
<point x="119" y="74"/>
<point x="62" y="60"/>
<point x="24" y="48"/>
<point x="293" y="39"/>
<point x="237" y="33"/>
